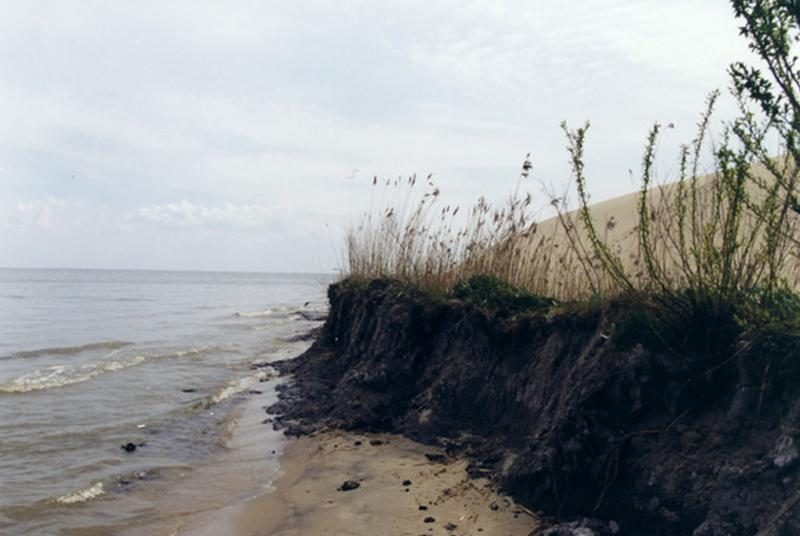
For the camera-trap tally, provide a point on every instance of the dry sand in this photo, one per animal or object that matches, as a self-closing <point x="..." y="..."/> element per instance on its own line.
<point x="307" y="502"/>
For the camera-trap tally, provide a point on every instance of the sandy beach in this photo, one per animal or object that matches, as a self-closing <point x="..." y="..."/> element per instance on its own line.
<point x="400" y="492"/>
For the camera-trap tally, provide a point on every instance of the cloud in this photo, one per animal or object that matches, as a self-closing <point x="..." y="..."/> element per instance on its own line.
<point x="198" y="116"/>
<point x="186" y="214"/>
<point x="38" y="213"/>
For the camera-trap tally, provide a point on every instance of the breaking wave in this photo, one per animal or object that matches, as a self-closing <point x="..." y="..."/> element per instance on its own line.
<point x="83" y="495"/>
<point x="60" y="375"/>
<point x="267" y="312"/>
<point x="307" y="312"/>
<point x="241" y="385"/>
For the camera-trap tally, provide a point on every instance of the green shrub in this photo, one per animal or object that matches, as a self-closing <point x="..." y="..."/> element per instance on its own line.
<point x="494" y="294"/>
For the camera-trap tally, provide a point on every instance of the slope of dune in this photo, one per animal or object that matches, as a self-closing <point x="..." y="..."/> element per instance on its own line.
<point x="549" y="249"/>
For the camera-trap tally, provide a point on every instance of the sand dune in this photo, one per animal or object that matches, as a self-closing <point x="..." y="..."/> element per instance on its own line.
<point x="548" y="250"/>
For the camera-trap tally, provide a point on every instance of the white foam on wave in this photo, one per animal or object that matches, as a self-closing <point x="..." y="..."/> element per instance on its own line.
<point x="267" y="312"/>
<point x="83" y="495"/>
<point x="61" y="375"/>
<point x="240" y="385"/>
<point x="190" y="351"/>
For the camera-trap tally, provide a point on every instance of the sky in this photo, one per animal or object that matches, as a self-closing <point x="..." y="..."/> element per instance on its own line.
<point x="198" y="135"/>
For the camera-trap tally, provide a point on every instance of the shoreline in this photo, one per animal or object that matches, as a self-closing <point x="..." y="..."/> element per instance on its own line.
<point x="400" y="492"/>
<point x="205" y="497"/>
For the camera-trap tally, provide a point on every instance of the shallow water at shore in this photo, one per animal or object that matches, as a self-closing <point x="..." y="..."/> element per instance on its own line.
<point x="92" y="360"/>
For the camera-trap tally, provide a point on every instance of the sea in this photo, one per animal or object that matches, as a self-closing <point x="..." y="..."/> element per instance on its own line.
<point x="133" y="402"/>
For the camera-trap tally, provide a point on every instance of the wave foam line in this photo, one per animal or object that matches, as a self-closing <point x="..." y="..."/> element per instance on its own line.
<point x="267" y="312"/>
<point x="234" y="387"/>
<point x="60" y="375"/>
<point x="83" y="495"/>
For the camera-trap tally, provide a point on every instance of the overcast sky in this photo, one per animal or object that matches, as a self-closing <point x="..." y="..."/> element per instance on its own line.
<point x="219" y="135"/>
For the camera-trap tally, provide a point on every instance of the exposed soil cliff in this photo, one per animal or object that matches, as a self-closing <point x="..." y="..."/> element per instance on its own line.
<point x="568" y="412"/>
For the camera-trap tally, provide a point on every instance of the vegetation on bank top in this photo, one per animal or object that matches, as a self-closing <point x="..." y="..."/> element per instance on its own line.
<point x="717" y="248"/>
<point x="492" y="293"/>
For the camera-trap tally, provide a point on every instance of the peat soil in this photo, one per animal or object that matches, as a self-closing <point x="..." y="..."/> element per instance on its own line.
<point x="568" y="413"/>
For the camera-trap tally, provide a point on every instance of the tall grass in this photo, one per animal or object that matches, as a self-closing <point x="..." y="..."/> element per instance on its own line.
<point x="415" y="237"/>
<point x="719" y="242"/>
<point x="722" y="243"/>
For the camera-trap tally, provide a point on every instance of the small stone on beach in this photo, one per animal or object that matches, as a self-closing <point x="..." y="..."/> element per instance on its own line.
<point x="406" y="482"/>
<point x="429" y="519"/>
<point x="348" y="485"/>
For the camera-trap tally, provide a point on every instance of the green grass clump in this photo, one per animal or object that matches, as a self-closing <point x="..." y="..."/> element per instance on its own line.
<point x="494" y="294"/>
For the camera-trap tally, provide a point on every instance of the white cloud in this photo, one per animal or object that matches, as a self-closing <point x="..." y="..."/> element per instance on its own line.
<point x="248" y="115"/>
<point x="559" y="47"/>
<point x="38" y="213"/>
<point x="186" y="214"/>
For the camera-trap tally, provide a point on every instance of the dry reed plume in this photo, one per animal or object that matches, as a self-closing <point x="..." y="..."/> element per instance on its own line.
<point x="712" y="237"/>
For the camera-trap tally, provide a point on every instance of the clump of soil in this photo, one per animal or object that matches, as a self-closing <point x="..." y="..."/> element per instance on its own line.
<point x="566" y="412"/>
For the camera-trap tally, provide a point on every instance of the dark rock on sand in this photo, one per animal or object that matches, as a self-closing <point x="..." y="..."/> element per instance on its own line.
<point x="128" y="447"/>
<point x="189" y="390"/>
<point x="349" y="485"/>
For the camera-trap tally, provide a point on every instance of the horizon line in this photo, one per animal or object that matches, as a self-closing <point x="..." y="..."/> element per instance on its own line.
<point x="107" y="269"/>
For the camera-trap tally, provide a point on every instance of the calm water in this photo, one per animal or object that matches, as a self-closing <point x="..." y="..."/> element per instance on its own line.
<point x="91" y="360"/>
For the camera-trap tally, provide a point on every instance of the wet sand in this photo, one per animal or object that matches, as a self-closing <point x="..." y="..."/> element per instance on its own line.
<point x="306" y="500"/>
